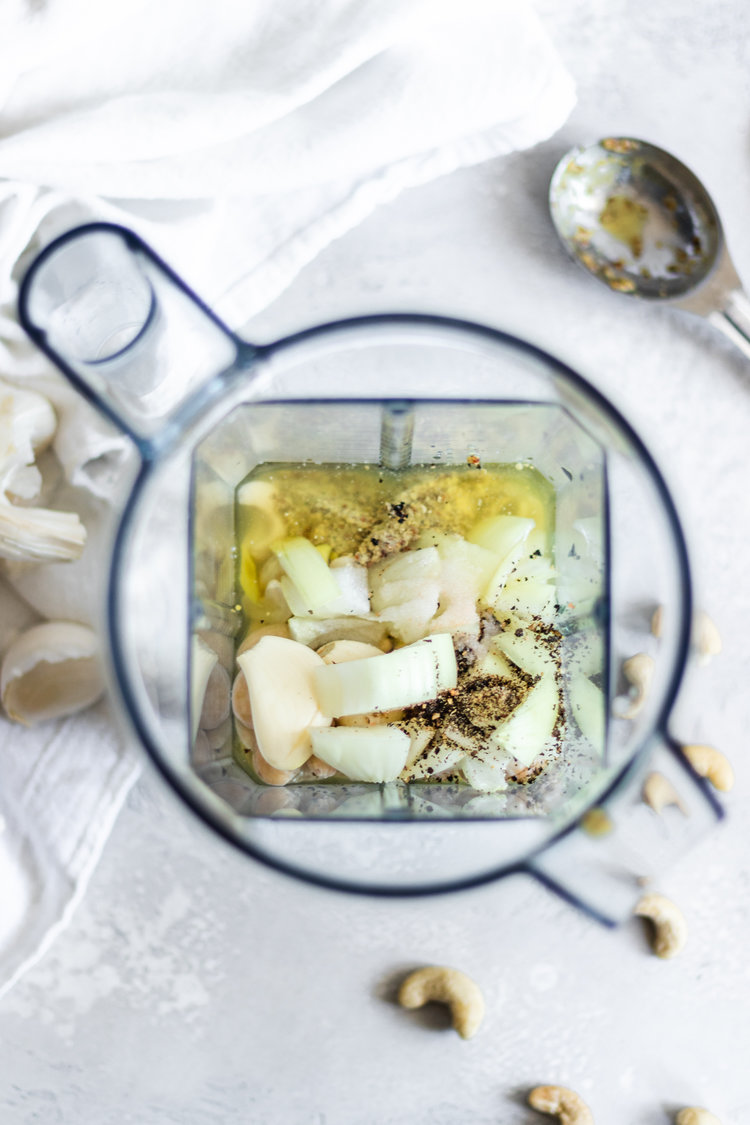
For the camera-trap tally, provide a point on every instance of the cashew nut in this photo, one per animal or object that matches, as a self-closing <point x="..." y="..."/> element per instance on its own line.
<point x="319" y="769"/>
<point x="257" y="634"/>
<point x="710" y="763"/>
<point x="569" y="1106"/>
<point x="705" y="637"/>
<point x="446" y="986"/>
<point x="659" y="792"/>
<point x="268" y="773"/>
<point x="638" y="670"/>
<point x="241" y="701"/>
<point x="670" y="928"/>
<point x="694" y="1115"/>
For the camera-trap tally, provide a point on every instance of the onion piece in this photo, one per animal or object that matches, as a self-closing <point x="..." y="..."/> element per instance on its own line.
<point x="376" y="754"/>
<point x="304" y="565"/>
<point x="500" y="534"/>
<point x="315" y="633"/>
<point x="487" y="774"/>
<point x="589" y="707"/>
<point x="528" y="596"/>
<point x="530" y="653"/>
<point x="413" y="674"/>
<point x="527" y="731"/>
<point x="352" y="597"/>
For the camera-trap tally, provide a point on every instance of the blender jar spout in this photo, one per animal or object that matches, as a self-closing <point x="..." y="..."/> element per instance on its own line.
<point x="125" y="329"/>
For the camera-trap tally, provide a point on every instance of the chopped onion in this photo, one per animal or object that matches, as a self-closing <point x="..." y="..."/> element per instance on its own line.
<point x="589" y="708"/>
<point x="315" y="632"/>
<point x="506" y="536"/>
<point x="409" y="675"/>
<point x="528" y="651"/>
<point x="409" y="621"/>
<point x="307" y="569"/>
<point x="445" y="658"/>
<point x="487" y="774"/>
<point x="351" y="600"/>
<point x="376" y="754"/>
<point x="433" y="760"/>
<point x="528" y="596"/>
<point x="494" y="664"/>
<point x="526" y="732"/>
<point x="500" y="534"/>
<point x="402" y="577"/>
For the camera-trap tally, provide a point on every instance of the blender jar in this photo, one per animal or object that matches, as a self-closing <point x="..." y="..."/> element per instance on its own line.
<point x="205" y="409"/>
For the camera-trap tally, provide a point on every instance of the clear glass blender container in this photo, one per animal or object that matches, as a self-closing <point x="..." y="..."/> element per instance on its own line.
<point x="204" y="408"/>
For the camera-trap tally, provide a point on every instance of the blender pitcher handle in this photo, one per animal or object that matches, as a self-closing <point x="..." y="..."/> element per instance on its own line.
<point x="125" y="329"/>
<point x="616" y="851"/>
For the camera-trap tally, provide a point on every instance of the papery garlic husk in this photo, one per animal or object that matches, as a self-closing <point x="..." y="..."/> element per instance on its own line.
<point x="39" y="534"/>
<point x="51" y="670"/>
<point x="27" y="425"/>
<point x="70" y="590"/>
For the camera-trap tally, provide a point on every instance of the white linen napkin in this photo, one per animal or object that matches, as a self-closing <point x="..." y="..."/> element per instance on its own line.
<point x="239" y="140"/>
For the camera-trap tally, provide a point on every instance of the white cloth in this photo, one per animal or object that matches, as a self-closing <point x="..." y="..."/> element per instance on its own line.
<point x="239" y="140"/>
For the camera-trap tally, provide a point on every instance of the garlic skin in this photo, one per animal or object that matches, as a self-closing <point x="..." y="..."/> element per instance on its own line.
<point x="27" y="425"/>
<point x="51" y="670"/>
<point x="39" y="534"/>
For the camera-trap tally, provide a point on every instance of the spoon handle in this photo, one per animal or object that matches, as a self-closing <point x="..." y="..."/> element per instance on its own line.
<point x="733" y="319"/>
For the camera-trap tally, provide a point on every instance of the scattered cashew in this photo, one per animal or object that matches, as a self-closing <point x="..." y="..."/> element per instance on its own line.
<point x="705" y="637"/>
<point x="257" y="634"/>
<point x="670" y="928"/>
<point x="658" y="792"/>
<point x="270" y="802"/>
<point x="246" y="735"/>
<point x="710" y="763"/>
<point x="268" y="773"/>
<point x="596" y="822"/>
<point x="566" y="1104"/>
<point x="216" y="701"/>
<point x="638" y="670"/>
<point x="694" y="1115"/>
<point x="241" y="700"/>
<point x="446" y="986"/>
<point x="318" y="768"/>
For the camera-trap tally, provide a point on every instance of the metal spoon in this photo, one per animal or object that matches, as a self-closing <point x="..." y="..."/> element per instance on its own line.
<point x="642" y="223"/>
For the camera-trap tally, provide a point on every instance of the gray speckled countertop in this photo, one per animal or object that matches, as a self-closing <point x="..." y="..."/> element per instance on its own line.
<point x="194" y="986"/>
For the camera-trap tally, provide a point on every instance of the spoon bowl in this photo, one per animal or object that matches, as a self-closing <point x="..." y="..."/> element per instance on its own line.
<point x="641" y="222"/>
<point x="636" y="218"/>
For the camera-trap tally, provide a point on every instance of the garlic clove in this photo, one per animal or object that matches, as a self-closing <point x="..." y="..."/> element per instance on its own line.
<point x="51" y="670"/>
<point x="283" y="705"/>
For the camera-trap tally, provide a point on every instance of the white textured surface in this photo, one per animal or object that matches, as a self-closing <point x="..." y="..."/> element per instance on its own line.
<point x="196" y="987"/>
